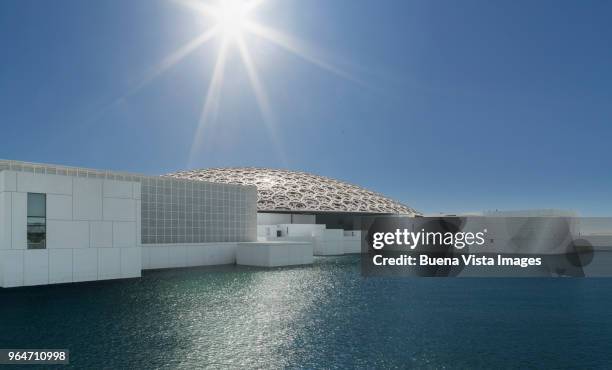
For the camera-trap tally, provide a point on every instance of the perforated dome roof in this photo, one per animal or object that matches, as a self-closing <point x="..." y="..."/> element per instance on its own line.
<point x="285" y="191"/>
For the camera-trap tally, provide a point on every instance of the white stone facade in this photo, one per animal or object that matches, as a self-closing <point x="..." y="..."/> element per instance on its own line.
<point x="101" y="225"/>
<point x="274" y="254"/>
<point x="92" y="229"/>
<point x="325" y="242"/>
<point x="161" y="256"/>
<point x="94" y="223"/>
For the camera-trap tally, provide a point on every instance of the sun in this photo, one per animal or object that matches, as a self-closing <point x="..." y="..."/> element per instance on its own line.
<point x="232" y="18"/>
<point x="232" y="21"/>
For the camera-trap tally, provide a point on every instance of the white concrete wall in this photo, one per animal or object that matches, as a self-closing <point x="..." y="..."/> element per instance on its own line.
<point x="93" y="229"/>
<point x="267" y="232"/>
<point x="161" y="256"/>
<point x="330" y="243"/>
<point x="273" y="254"/>
<point x="302" y="230"/>
<point x="325" y="241"/>
<point x="352" y="241"/>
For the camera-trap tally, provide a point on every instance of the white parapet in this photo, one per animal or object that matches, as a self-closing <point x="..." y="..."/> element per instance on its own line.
<point x="301" y="230"/>
<point x="274" y="254"/>
<point x="329" y="243"/>
<point x="162" y="256"/>
<point x="267" y="232"/>
<point x="325" y="242"/>
<point x="352" y="241"/>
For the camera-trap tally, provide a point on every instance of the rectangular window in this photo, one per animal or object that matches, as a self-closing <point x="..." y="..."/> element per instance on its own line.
<point x="37" y="221"/>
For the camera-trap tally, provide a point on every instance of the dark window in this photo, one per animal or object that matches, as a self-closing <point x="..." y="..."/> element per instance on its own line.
<point x="37" y="221"/>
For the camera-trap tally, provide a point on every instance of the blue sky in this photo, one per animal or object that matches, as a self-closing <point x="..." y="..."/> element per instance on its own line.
<point x="454" y="105"/>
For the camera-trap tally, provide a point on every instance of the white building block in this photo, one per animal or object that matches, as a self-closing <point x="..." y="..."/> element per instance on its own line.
<point x="158" y="257"/>
<point x="100" y="234"/>
<point x="352" y="241"/>
<point x="330" y="243"/>
<point x="197" y="255"/>
<point x="333" y="234"/>
<point x="60" y="266"/>
<point x="109" y="263"/>
<point x="146" y="258"/>
<point x="19" y="213"/>
<point x="87" y="199"/>
<point x="6" y="229"/>
<point x="131" y="262"/>
<point x="136" y="187"/>
<point x="302" y="230"/>
<point x="228" y="253"/>
<point x="138" y="223"/>
<point x="279" y="256"/>
<point x="177" y="256"/>
<point x="214" y="254"/>
<point x="308" y="254"/>
<point x="273" y="254"/>
<point x="36" y="267"/>
<point x="351" y="246"/>
<point x="28" y="182"/>
<point x="267" y="232"/>
<point x="12" y="268"/>
<point x="85" y="264"/>
<point x="8" y="181"/>
<point x="59" y="207"/>
<point x="119" y="209"/>
<point x="249" y="255"/>
<point x="187" y="255"/>
<point x="295" y="256"/>
<point x="329" y="248"/>
<point x="222" y="254"/>
<point x="118" y="189"/>
<point x="67" y="234"/>
<point x="124" y="234"/>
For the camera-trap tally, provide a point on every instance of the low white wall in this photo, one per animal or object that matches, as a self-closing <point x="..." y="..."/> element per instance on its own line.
<point x="274" y="254"/>
<point x="330" y="243"/>
<point x="267" y="232"/>
<point x="325" y="242"/>
<point x="54" y="266"/>
<point x="93" y="229"/>
<point x="310" y="230"/>
<point x="352" y="241"/>
<point x="161" y="256"/>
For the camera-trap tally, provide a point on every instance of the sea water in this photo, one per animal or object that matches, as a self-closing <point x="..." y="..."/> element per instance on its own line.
<point x="320" y="316"/>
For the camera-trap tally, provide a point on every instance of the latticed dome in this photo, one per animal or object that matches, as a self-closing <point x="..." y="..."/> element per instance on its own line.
<point x="282" y="190"/>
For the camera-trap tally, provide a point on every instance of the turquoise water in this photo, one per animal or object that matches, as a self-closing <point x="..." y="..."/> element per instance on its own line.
<point x="320" y="316"/>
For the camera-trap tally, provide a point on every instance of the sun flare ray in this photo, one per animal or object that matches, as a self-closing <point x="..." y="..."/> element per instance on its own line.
<point x="180" y="54"/>
<point x="249" y="6"/>
<point x="260" y="95"/>
<point x="298" y="48"/>
<point x="211" y="103"/>
<point x="231" y="21"/>
<point x="200" y="7"/>
<point x="167" y="63"/>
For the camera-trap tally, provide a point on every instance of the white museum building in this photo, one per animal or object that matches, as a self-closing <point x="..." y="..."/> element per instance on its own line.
<point x="63" y="224"/>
